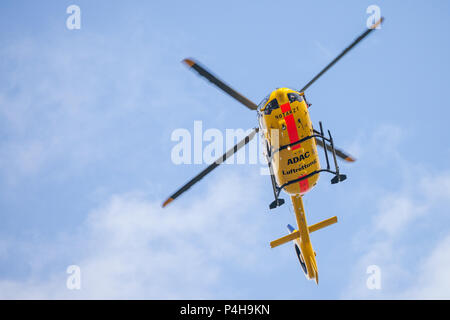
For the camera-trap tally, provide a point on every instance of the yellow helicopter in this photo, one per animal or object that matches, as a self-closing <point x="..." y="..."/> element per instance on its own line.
<point x="291" y="153"/>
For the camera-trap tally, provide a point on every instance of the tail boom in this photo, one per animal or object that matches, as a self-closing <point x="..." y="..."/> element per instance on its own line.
<point x="301" y="238"/>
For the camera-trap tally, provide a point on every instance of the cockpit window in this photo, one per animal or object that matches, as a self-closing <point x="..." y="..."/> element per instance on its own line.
<point x="263" y="102"/>
<point x="292" y="96"/>
<point x="272" y="105"/>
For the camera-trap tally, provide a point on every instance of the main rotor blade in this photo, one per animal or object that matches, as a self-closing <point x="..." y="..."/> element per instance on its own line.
<point x="220" y="84"/>
<point x="354" y="43"/>
<point x="341" y="154"/>
<point x="211" y="167"/>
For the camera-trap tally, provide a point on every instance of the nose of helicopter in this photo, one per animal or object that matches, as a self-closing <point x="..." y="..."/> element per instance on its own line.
<point x="281" y="95"/>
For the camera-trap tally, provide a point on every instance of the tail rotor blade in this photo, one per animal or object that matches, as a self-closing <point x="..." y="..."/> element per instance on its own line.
<point x="211" y="167"/>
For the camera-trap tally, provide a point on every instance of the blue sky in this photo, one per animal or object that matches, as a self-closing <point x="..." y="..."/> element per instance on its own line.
<point x="86" y="118"/>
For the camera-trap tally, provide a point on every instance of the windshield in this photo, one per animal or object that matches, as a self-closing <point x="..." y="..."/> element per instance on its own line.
<point x="272" y="105"/>
<point x="292" y="96"/>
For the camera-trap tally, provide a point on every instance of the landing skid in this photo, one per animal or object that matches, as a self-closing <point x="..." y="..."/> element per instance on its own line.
<point x="276" y="203"/>
<point x="338" y="178"/>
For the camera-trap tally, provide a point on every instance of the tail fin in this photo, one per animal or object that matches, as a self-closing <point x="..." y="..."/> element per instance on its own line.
<point x="290" y="228"/>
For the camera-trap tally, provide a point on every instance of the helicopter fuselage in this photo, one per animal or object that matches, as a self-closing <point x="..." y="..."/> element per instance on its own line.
<point x="284" y="120"/>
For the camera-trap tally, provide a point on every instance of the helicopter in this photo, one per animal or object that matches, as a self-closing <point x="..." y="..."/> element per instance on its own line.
<point x="291" y="152"/>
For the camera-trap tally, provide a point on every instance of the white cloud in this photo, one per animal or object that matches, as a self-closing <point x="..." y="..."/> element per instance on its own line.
<point x="132" y="248"/>
<point x="396" y="212"/>
<point x="415" y="261"/>
<point x="433" y="278"/>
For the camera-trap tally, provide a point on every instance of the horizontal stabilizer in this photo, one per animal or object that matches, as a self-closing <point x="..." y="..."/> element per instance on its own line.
<point x="283" y="240"/>
<point x="322" y="224"/>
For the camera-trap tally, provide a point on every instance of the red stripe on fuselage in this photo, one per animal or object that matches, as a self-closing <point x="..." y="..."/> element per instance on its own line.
<point x="285" y="107"/>
<point x="303" y="184"/>
<point x="290" y="125"/>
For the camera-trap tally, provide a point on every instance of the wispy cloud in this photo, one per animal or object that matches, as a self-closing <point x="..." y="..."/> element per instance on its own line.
<point x="323" y="50"/>
<point x="400" y="239"/>
<point x="131" y="248"/>
<point x="70" y="101"/>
